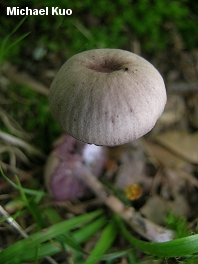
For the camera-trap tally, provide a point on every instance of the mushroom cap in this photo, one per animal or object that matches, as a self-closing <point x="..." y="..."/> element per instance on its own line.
<point x="107" y="96"/>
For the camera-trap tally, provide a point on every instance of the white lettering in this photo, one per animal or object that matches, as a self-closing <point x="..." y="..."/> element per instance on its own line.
<point x="61" y="12"/>
<point x="54" y="11"/>
<point x="42" y="12"/>
<point x="69" y="12"/>
<point x="35" y="12"/>
<point x="16" y="11"/>
<point x="11" y="11"/>
<point x="28" y="11"/>
<point x="22" y="12"/>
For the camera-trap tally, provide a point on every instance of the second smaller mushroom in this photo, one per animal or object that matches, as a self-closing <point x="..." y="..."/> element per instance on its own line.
<point x="64" y="168"/>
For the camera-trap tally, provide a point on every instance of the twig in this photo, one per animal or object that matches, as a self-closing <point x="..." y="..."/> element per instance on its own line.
<point x="20" y="230"/>
<point x="11" y="72"/>
<point x="21" y="143"/>
<point x="12" y="222"/>
<point x="141" y="225"/>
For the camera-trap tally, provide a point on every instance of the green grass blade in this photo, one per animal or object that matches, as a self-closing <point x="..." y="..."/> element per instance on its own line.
<point x="174" y="248"/>
<point x="84" y="233"/>
<point x="51" y="215"/>
<point x="17" y="40"/>
<point x="18" y="25"/>
<point x="103" y="244"/>
<point x="32" y="207"/>
<point x="67" y="240"/>
<point x="34" y="240"/>
<point x="4" y="45"/>
<point x="51" y="248"/>
<point x="37" y="214"/>
<point x="25" y="190"/>
<point x="116" y="255"/>
<point x="47" y="249"/>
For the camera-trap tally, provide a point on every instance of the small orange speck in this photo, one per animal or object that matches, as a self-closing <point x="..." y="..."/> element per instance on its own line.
<point x="133" y="192"/>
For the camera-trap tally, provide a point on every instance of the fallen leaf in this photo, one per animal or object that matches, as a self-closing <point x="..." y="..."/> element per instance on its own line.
<point x="186" y="176"/>
<point x="174" y="110"/>
<point x="155" y="209"/>
<point x="162" y="156"/>
<point x="181" y="143"/>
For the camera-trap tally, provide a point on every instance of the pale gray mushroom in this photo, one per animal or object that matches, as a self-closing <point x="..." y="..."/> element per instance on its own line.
<point x="107" y="96"/>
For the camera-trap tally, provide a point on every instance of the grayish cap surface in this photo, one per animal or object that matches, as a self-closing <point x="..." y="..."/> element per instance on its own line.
<point x="107" y="96"/>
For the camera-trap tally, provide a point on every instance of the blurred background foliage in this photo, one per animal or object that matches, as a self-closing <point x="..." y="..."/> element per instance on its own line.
<point x="102" y="24"/>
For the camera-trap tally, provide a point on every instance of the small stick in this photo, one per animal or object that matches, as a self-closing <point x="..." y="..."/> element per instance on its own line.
<point x="140" y="224"/>
<point x="11" y="72"/>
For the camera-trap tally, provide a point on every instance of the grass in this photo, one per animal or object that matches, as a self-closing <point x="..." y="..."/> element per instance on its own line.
<point x="175" y="248"/>
<point x="67" y="235"/>
<point x="7" y="44"/>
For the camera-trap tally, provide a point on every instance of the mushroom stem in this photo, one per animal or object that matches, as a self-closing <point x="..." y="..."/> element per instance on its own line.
<point x="141" y="225"/>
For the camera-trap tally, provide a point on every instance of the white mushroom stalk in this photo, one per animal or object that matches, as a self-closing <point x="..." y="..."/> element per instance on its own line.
<point x="107" y="97"/>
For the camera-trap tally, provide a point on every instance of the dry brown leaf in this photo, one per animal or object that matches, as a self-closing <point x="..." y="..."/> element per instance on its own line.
<point x="171" y="192"/>
<point x="181" y="143"/>
<point x="187" y="176"/>
<point x="179" y="188"/>
<point x="155" y="209"/>
<point x="174" y="110"/>
<point x="162" y="156"/>
<point x="132" y="168"/>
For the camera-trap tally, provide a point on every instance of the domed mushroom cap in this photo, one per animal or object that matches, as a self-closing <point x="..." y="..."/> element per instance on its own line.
<point x="107" y="96"/>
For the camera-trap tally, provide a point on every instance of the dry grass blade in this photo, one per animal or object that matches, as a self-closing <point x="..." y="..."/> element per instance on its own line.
<point x="11" y="72"/>
<point x="21" y="143"/>
<point x="14" y="152"/>
<point x="12" y="125"/>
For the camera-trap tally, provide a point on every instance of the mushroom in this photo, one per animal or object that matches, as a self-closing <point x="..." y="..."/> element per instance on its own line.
<point x="107" y="97"/>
